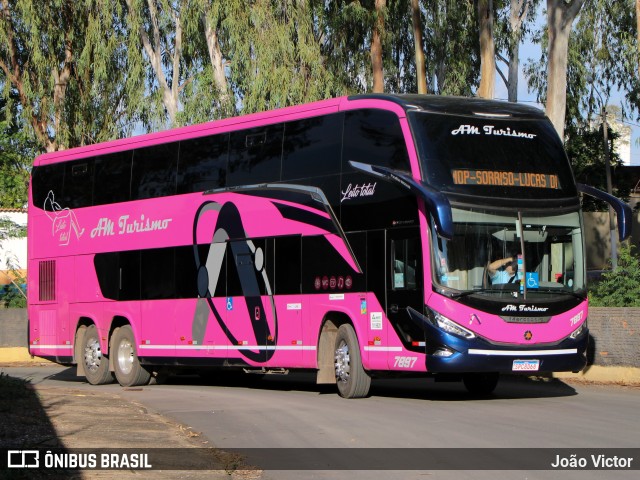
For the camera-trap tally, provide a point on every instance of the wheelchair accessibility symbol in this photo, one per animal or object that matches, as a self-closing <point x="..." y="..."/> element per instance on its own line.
<point x="533" y="280"/>
<point x="229" y="304"/>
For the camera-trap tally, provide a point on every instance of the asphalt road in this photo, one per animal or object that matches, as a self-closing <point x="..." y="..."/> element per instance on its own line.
<point x="292" y="412"/>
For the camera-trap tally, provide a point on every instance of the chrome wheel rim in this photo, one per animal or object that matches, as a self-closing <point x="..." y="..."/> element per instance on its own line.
<point x="125" y="356"/>
<point x="92" y="355"/>
<point x="342" y="362"/>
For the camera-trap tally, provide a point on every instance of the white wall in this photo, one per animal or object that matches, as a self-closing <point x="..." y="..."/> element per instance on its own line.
<point x="13" y="251"/>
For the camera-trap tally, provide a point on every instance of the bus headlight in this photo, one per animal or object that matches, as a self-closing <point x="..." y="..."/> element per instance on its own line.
<point x="450" y="326"/>
<point x="577" y="332"/>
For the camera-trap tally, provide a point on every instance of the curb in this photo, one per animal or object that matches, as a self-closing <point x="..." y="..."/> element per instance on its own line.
<point x="601" y="374"/>
<point x="20" y="355"/>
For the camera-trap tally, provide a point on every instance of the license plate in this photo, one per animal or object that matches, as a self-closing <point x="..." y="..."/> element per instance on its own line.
<point x="526" y="365"/>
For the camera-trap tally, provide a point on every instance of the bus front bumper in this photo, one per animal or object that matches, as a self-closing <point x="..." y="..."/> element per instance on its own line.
<point x="448" y="353"/>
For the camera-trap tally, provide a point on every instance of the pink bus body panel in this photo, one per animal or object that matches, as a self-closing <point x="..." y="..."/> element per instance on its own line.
<point x="164" y="328"/>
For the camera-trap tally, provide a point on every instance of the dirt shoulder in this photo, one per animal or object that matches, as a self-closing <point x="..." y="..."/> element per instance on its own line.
<point x="41" y="417"/>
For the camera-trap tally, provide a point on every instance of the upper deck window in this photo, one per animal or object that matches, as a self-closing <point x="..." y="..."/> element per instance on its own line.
<point x="503" y="157"/>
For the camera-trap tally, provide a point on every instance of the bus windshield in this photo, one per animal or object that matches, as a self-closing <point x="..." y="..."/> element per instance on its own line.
<point x="506" y="254"/>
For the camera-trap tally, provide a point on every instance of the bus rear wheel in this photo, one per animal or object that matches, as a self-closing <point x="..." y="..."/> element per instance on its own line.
<point x="128" y="370"/>
<point x="95" y="365"/>
<point x="481" y="384"/>
<point x="351" y="379"/>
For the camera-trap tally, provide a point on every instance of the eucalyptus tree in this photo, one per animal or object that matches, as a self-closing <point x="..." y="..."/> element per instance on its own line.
<point x="66" y="63"/>
<point x="602" y="59"/>
<point x="276" y="53"/>
<point x="155" y="40"/>
<point x="514" y="20"/>
<point x="560" y="17"/>
<point x="486" y="89"/>
<point x="421" y="66"/>
<point x="16" y="154"/>
<point x="452" y="53"/>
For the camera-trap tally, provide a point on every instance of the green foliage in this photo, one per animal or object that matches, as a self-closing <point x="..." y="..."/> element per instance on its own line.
<point x="16" y="153"/>
<point x="452" y="53"/>
<point x="65" y="62"/>
<point x="619" y="288"/>
<point x="12" y="295"/>
<point x="9" y="229"/>
<point x="585" y="149"/>
<point x="603" y="56"/>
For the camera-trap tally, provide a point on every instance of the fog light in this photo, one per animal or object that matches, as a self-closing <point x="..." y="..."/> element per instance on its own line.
<point x="578" y="331"/>
<point x="442" y="352"/>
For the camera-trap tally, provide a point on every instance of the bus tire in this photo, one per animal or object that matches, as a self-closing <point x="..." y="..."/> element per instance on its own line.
<point x="351" y="378"/>
<point x="126" y="365"/>
<point x="94" y="364"/>
<point x="481" y="384"/>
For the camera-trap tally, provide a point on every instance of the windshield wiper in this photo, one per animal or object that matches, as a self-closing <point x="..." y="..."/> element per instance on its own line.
<point x="480" y="290"/>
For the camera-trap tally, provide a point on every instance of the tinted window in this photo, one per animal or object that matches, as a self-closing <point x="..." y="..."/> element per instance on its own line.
<point x="312" y="147"/>
<point x="157" y="273"/>
<point x="288" y="264"/>
<point x="374" y="137"/>
<point x="129" y="275"/>
<point x="495" y="157"/>
<point x="112" y="178"/>
<point x="108" y="272"/>
<point x="154" y="171"/>
<point x="203" y="164"/>
<point x="47" y="178"/>
<point x="78" y="184"/>
<point x="255" y="155"/>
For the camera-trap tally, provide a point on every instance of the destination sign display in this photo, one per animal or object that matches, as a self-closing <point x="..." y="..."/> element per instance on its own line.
<point x="495" y="178"/>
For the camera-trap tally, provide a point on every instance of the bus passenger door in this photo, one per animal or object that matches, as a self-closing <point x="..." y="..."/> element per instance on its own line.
<point x="404" y="285"/>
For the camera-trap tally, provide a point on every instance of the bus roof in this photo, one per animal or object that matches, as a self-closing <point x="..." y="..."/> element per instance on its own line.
<point x="408" y="102"/>
<point x="457" y="105"/>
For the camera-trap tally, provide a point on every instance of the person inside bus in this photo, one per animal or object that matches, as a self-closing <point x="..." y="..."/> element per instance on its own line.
<point x="503" y="270"/>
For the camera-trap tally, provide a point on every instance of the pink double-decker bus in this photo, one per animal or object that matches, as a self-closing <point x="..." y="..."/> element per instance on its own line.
<point x="355" y="237"/>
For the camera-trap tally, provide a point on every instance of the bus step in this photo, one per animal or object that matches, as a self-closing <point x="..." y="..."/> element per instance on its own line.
<point x="267" y="371"/>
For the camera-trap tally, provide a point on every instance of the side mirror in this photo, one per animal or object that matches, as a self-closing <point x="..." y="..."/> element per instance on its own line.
<point x="623" y="211"/>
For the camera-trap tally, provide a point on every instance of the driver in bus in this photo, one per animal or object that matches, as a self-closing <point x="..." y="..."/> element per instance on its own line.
<point x="503" y="270"/>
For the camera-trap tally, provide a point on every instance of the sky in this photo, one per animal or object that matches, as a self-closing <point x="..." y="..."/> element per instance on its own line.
<point x="528" y="50"/>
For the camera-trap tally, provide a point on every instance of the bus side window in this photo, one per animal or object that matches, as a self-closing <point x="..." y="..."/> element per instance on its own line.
<point x="374" y="137"/>
<point x="255" y="155"/>
<point x="312" y="147"/>
<point x="78" y="184"/>
<point x="203" y="163"/>
<point x="154" y="171"/>
<point x="47" y="178"/>
<point x="112" y="178"/>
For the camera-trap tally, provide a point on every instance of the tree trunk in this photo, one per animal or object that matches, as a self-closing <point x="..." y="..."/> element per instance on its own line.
<point x="487" y="50"/>
<point x="153" y="49"/>
<point x="560" y="17"/>
<point x="517" y="14"/>
<point x="421" y="67"/>
<point x="217" y="61"/>
<point x="376" y="48"/>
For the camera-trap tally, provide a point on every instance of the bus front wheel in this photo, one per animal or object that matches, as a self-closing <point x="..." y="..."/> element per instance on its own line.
<point x="352" y="380"/>
<point x="95" y="365"/>
<point x="128" y="370"/>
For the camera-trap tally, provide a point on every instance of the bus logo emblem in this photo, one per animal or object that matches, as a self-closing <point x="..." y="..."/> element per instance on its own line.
<point x="528" y="335"/>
